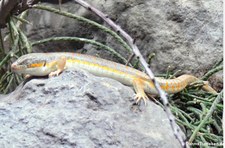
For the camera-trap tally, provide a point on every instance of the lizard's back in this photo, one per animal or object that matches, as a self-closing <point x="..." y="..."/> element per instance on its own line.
<point x="95" y="61"/>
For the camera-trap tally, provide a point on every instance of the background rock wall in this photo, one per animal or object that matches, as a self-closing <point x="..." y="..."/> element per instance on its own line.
<point x="185" y="35"/>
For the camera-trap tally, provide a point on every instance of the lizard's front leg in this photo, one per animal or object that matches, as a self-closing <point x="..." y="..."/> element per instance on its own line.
<point x="60" y="65"/>
<point x="139" y="85"/>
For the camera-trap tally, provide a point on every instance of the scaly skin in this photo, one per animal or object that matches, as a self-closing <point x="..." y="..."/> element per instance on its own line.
<point x="52" y="64"/>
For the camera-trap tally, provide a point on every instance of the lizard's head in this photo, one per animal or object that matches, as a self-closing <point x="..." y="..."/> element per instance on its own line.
<point x="31" y="64"/>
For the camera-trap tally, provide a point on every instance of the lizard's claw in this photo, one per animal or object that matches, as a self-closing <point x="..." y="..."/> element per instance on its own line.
<point x="54" y="73"/>
<point x="27" y="76"/>
<point x="138" y="97"/>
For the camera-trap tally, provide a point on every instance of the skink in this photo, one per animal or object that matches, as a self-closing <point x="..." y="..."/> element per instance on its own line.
<point x="52" y="64"/>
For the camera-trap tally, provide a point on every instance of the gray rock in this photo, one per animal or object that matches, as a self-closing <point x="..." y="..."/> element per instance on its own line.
<point x="2" y="96"/>
<point x="77" y="109"/>
<point x="185" y="35"/>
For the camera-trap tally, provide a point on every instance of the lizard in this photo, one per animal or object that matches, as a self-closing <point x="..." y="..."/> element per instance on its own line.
<point x="52" y="64"/>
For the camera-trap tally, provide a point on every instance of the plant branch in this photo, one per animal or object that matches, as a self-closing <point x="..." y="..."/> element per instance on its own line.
<point x="81" y="40"/>
<point x="212" y="108"/>
<point x="212" y="71"/>
<point x="130" y="58"/>
<point x="82" y="19"/>
<point x="2" y="50"/>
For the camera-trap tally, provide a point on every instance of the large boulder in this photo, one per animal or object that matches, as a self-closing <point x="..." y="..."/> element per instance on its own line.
<point x="77" y="109"/>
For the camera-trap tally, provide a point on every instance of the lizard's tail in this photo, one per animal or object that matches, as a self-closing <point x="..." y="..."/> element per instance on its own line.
<point x="190" y="79"/>
<point x="208" y="88"/>
<point x="179" y="83"/>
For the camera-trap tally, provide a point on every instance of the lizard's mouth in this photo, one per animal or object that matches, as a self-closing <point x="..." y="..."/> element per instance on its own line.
<point x="16" y="68"/>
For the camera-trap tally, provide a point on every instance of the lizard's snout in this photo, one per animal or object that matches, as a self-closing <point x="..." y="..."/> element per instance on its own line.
<point x="14" y="67"/>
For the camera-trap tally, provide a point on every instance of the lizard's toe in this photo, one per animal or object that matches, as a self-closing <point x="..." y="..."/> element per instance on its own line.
<point x="54" y="73"/>
<point x="139" y="97"/>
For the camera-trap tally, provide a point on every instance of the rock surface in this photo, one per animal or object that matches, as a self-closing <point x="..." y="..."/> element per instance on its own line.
<point x="77" y="109"/>
<point x="185" y="35"/>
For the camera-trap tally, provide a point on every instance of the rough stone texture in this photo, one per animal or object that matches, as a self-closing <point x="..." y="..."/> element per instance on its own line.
<point x="2" y="96"/>
<point x="77" y="109"/>
<point x="186" y="35"/>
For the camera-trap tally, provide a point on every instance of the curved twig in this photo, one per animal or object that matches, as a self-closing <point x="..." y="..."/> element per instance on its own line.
<point x="82" y="19"/>
<point x="81" y="40"/>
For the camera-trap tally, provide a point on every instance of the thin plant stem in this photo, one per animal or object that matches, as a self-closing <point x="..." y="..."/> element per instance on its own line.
<point x="81" y="40"/>
<point x="212" y="71"/>
<point x="212" y="108"/>
<point x="130" y="58"/>
<point x="82" y="19"/>
<point x="2" y="49"/>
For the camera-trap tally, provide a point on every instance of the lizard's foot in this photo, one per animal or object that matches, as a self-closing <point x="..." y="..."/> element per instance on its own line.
<point x="54" y="73"/>
<point x="60" y="63"/>
<point x="139" y="89"/>
<point x="27" y="76"/>
<point x="140" y="96"/>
